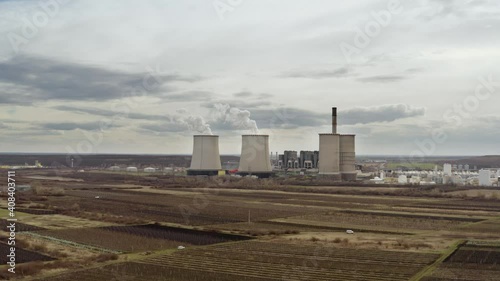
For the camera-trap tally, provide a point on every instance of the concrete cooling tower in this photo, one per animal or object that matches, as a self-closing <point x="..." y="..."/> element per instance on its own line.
<point x="205" y="159"/>
<point x="337" y="154"/>
<point x="255" y="158"/>
<point x="347" y="157"/>
<point x="329" y="155"/>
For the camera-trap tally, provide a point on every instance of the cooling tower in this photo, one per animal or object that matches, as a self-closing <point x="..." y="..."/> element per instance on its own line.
<point x="337" y="153"/>
<point x="329" y="155"/>
<point x="348" y="157"/>
<point x="206" y="158"/>
<point x="255" y="159"/>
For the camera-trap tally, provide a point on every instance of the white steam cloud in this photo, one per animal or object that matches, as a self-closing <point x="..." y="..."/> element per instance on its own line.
<point x="193" y="123"/>
<point x="198" y="124"/>
<point x="234" y="117"/>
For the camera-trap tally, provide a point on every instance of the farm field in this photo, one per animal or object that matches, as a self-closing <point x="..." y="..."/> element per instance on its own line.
<point x="272" y="261"/>
<point x="22" y="255"/>
<point x="122" y="225"/>
<point x="470" y="262"/>
<point x="389" y="221"/>
<point x="138" y="238"/>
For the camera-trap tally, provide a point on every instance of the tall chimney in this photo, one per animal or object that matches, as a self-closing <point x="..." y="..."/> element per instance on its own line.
<point x="334" y="120"/>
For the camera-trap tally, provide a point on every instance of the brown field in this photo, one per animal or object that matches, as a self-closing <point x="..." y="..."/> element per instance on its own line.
<point x="299" y="232"/>
<point x="470" y="262"/>
<point x="100" y="238"/>
<point x="274" y="261"/>
<point x="22" y="255"/>
<point x="138" y="238"/>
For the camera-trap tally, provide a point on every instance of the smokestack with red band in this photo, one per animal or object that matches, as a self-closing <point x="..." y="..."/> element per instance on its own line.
<point x="334" y="120"/>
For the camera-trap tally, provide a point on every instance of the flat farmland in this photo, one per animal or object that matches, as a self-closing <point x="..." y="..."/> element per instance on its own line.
<point x="20" y="227"/>
<point x="109" y="240"/>
<point x="469" y="262"/>
<point x="263" y="261"/>
<point x="296" y="234"/>
<point x="22" y="255"/>
<point x="185" y="209"/>
<point x="38" y="222"/>
<point x="388" y="221"/>
<point x="139" y="237"/>
<point x="282" y="261"/>
<point x="133" y="271"/>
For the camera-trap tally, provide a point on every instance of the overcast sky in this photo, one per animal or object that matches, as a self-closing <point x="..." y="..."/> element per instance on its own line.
<point x="144" y="76"/>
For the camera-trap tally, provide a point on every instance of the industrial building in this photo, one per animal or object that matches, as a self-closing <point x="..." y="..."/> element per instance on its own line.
<point x="485" y="178"/>
<point x="290" y="159"/>
<point x="337" y="153"/>
<point x="205" y="159"/>
<point x="255" y="158"/>
<point x="309" y="159"/>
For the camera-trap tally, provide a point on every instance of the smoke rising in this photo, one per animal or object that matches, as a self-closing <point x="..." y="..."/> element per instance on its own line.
<point x="198" y="124"/>
<point x="193" y="123"/>
<point x="234" y="117"/>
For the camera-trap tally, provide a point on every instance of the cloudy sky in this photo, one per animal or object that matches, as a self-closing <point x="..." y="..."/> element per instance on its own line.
<point x="144" y="76"/>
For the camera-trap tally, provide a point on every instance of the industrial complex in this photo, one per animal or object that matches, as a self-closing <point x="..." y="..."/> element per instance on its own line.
<point x="335" y="158"/>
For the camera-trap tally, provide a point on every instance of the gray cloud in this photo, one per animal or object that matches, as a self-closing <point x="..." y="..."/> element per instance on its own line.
<point x="164" y="127"/>
<point x="383" y="78"/>
<point x="265" y="96"/>
<point x="36" y="79"/>
<point x="241" y="103"/>
<point x="189" y="96"/>
<point x="68" y="126"/>
<point x="4" y="126"/>
<point x="288" y="118"/>
<point x="292" y="118"/>
<point x="108" y="113"/>
<point x="319" y="74"/>
<point x="384" y="113"/>
<point x="439" y="9"/>
<point x="243" y="94"/>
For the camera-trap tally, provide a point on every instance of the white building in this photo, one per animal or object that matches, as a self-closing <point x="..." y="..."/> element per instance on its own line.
<point x="447" y="169"/>
<point x="131" y="169"/>
<point x="415" y="180"/>
<point x="403" y="179"/>
<point x="114" y="168"/>
<point x="485" y="178"/>
<point x="377" y="180"/>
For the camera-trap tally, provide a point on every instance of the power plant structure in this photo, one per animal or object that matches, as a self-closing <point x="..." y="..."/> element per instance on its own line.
<point x="337" y="154"/>
<point x="335" y="159"/>
<point x="205" y="159"/>
<point x="255" y="158"/>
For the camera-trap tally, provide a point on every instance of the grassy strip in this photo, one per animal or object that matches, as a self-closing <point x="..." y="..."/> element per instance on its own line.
<point x="71" y="243"/>
<point x="4" y="214"/>
<point x="446" y="253"/>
